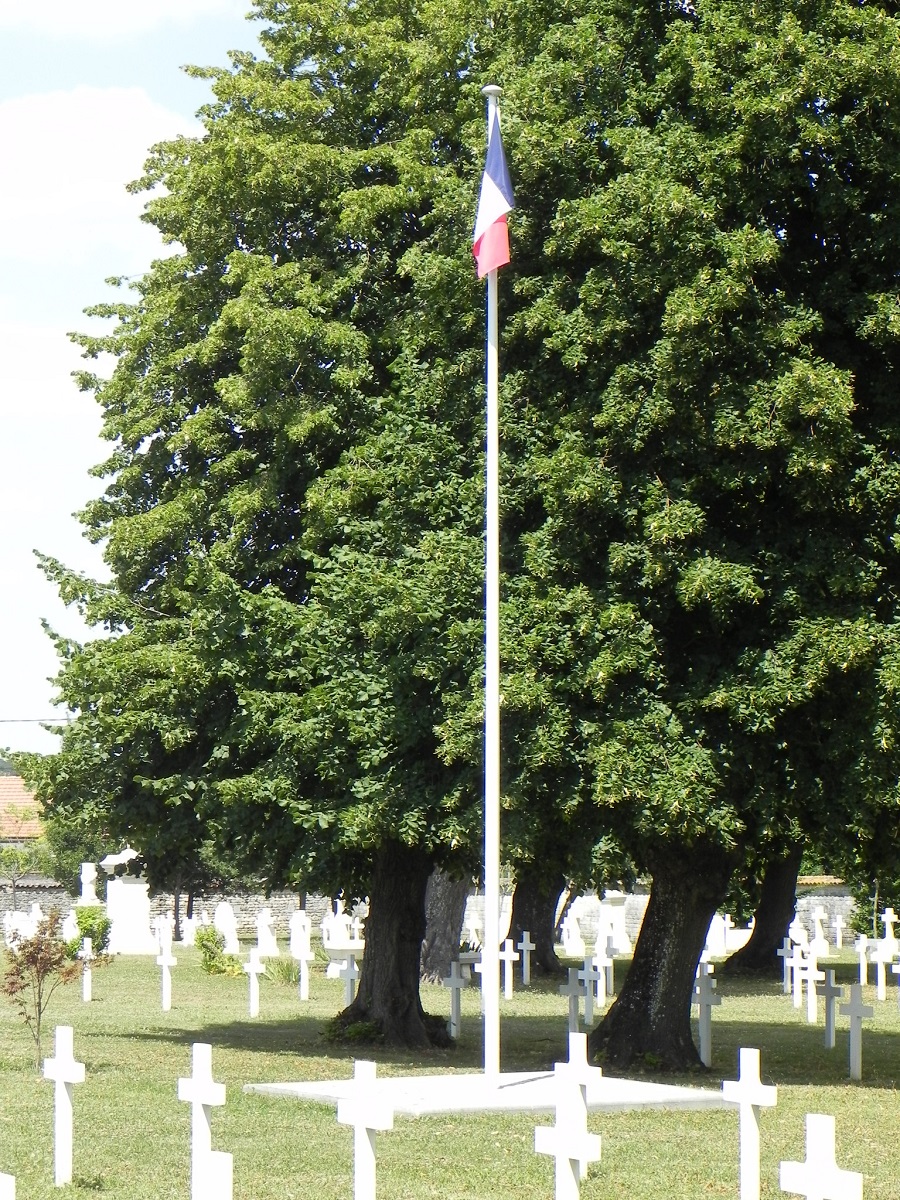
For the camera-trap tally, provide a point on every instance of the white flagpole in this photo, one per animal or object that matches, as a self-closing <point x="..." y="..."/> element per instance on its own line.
<point x="490" y="953"/>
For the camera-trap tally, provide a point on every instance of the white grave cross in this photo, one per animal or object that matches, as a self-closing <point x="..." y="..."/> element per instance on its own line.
<point x="857" y="1012"/>
<point x="569" y="1142"/>
<point x="254" y="968"/>
<point x="705" y="996"/>
<point x="508" y="956"/>
<point x="820" y="1178"/>
<point x="65" y="1072"/>
<point x="750" y="1095"/>
<point x="572" y="991"/>
<point x="831" y="992"/>
<point x="349" y="972"/>
<point x="889" y="919"/>
<point x="455" y="983"/>
<point x="166" y="960"/>
<point x="368" y="1112"/>
<point x="525" y="946"/>
<point x="86" y="954"/>
<point x="203" y="1094"/>
<point x="786" y="965"/>
<point x="861" y="948"/>
<point x="839" y="925"/>
<point x="7" y="1187"/>
<point x="811" y="977"/>
<point x="590" y="975"/>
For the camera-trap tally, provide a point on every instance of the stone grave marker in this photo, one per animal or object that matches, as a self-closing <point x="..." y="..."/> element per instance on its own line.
<point x="88" y="897"/>
<point x="572" y="991"/>
<point x="787" y="949"/>
<point x="368" y="1113"/>
<point x="884" y="952"/>
<point x="705" y="997"/>
<point x="889" y="919"/>
<point x="65" y="1073"/>
<point x="266" y="943"/>
<point x="526" y="946"/>
<point x="811" y="976"/>
<point x="349" y="973"/>
<point x="211" y="1171"/>
<point x="508" y="956"/>
<point x="831" y="993"/>
<point x="857" y="1012"/>
<point x="86" y="954"/>
<point x="862" y="949"/>
<point x="606" y="965"/>
<point x="820" y="1178"/>
<point x="226" y="922"/>
<point x="750" y="1095"/>
<point x="590" y="975"/>
<point x="254" y="968"/>
<point x="473" y="930"/>
<point x="839" y="926"/>
<point x="797" y="965"/>
<point x="7" y="1187"/>
<point x="69" y="926"/>
<point x="572" y="941"/>
<point x="189" y="927"/>
<point x="582" y="1073"/>
<point x="611" y="951"/>
<point x="301" y="949"/>
<point x="166" y="960"/>
<point x="798" y="933"/>
<point x="568" y="1141"/>
<point x="455" y="983"/>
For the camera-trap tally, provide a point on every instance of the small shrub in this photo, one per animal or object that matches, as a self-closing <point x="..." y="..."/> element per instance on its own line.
<point x="95" y="924"/>
<point x="213" y="959"/>
<point x="35" y="968"/>
<point x="283" y="971"/>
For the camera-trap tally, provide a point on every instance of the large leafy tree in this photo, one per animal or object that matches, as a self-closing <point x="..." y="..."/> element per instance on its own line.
<point x="699" y="463"/>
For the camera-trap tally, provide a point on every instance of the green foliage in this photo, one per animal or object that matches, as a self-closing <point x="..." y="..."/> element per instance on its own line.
<point x="35" y="967"/>
<point x="93" y="923"/>
<point x="213" y="958"/>
<point x="282" y="971"/>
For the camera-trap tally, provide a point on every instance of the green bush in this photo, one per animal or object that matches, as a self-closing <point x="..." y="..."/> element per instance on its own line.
<point x="93" y="923"/>
<point x="213" y="958"/>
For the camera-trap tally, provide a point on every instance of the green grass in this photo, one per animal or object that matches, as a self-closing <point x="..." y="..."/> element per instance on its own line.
<point x="132" y="1135"/>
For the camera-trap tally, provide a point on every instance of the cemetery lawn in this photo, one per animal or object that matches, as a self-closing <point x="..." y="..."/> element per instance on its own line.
<point x="132" y="1135"/>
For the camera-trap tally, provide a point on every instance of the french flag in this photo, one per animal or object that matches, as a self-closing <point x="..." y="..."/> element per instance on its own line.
<point x="490" y="242"/>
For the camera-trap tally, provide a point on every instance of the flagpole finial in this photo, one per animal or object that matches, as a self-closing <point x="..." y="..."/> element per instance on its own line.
<point x="492" y="90"/>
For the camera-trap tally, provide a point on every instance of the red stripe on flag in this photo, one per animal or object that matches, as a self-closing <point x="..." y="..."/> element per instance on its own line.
<point x="492" y="248"/>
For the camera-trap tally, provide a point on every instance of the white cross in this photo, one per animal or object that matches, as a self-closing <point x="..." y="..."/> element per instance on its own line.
<point x="508" y="956"/>
<point x="166" y="960"/>
<point x="750" y="1095"/>
<point x="254" y="968"/>
<point x="861" y="948"/>
<point x="820" y="1178"/>
<point x="885" y="952"/>
<point x="455" y="983"/>
<point x="525" y="946"/>
<point x="572" y="990"/>
<point x="831" y="993"/>
<point x="86" y="954"/>
<point x="368" y="1112"/>
<point x="798" y="933"/>
<point x="797" y="964"/>
<point x="203" y="1094"/>
<point x="590" y="975"/>
<point x="65" y="1072"/>
<point x="304" y="958"/>
<point x="568" y="1142"/>
<point x="785" y="955"/>
<point x="582" y="1073"/>
<point x="349" y="972"/>
<point x="7" y="1187"/>
<point x="839" y="925"/>
<point x="856" y="1011"/>
<point x="889" y="919"/>
<point x="611" y="951"/>
<point x="705" y="997"/>
<point x="811" y="976"/>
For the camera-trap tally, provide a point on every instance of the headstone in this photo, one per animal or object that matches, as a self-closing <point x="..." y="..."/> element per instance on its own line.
<point x="301" y="949"/>
<point x="819" y="943"/>
<point x="473" y="930"/>
<point x="254" y="968"/>
<point x="226" y="922"/>
<point x="578" y="1070"/>
<point x="369" y="1113"/>
<point x="349" y="974"/>
<point x="189" y="927"/>
<point x="65" y="1072"/>
<point x="787" y="949"/>
<point x="798" y="934"/>
<point x="606" y="965"/>
<point x="862" y="949"/>
<point x="831" y="993"/>
<point x="455" y="983"/>
<point x="612" y="950"/>
<point x="166" y="960"/>
<point x="525" y="947"/>
<point x="820" y="1178"/>
<point x="86" y="954"/>
<point x="88" y="897"/>
<point x="857" y="1012"/>
<point x="750" y="1095"/>
<point x="265" y="935"/>
<point x="715" y="936"/>
<point x="572" y="991"/>
<point x="590" y="975"/>
<point x="568" y="1141"/>
<point x="338" y="940"/>
<point x="839" y="925"/>
<point x="209" y="1170"/>
<point x="508" y="956"/>
<point x="885" y="952"/>
<point x="889" y="919"/>
<point x="128" y="908"/>
<point x="614" y="905"/>
<point x="705" y="996"/>
<point x="811" y="976"/>
<point x="70" y="929"/>
<point x="797" y="964"/>
<point x="572" y="941"/>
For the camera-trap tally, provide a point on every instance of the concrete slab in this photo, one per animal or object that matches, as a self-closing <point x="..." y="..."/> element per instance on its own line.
<point x="425" y="1095"/>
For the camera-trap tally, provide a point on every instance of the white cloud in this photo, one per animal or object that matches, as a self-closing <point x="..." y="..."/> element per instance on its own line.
<point x="109" y="20"/>
<point x="67" y="157"/>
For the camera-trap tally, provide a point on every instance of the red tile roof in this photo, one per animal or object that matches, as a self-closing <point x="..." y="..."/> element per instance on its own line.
<point x="18" y="810"/>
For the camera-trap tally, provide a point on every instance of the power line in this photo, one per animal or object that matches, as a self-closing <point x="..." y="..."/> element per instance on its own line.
<point x="34" y="720"/>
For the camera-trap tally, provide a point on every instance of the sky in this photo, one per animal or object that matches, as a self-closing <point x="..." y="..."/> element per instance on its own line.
<point x="87" y="87"/>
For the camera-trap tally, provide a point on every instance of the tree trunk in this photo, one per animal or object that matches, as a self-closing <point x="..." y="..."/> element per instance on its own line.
<point x="388" y="993"/>
<point x="176" y="899"/>
<point x="651" y="1018"/>
<point x="534" y="908"/>
<point x="445" y="907"/>
<point x="774" y="913"/>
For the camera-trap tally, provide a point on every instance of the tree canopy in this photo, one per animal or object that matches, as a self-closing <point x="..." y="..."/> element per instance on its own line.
<point x="700" y="484"/>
